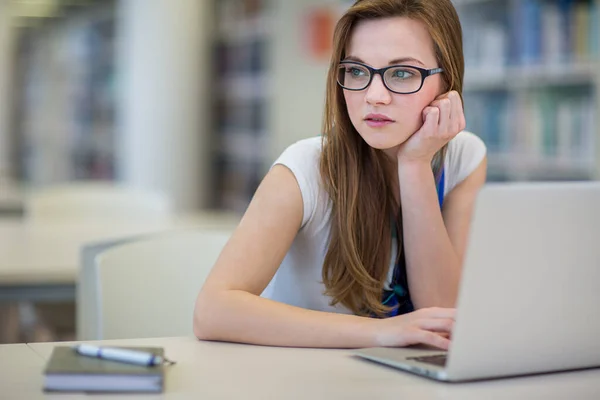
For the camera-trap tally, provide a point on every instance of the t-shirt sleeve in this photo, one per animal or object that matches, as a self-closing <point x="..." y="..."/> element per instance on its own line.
<point x="465" y="152"/>
<point x="302" y="158"/>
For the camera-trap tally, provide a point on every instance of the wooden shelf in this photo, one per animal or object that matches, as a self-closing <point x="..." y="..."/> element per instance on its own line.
<point x="526" y="167"/>
<point x="528" y="77"/>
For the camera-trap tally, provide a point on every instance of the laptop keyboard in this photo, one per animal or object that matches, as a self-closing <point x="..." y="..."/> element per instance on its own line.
<point x="437" y="359"/>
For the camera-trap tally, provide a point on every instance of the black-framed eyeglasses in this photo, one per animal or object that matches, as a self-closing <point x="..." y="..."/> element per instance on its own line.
<point x="400" y="79"/>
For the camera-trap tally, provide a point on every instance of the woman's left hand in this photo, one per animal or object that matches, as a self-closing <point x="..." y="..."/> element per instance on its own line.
<point x="443" y="119"/>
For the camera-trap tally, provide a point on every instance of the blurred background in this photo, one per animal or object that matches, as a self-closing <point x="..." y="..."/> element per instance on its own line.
<point x="194" y="99"/>
<point x="197" y="97"/>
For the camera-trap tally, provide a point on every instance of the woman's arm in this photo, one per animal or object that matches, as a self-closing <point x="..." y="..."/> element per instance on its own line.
<point x="435" y="245"/>
<point x="229" y="306"/>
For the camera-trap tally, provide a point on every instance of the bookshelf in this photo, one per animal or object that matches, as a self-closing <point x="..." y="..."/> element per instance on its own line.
<point x="532" y="80"/>
<point x="241" y="97"/>
<point x="64" y="111"/>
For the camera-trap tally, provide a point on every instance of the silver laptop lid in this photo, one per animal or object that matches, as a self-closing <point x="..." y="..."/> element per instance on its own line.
<point x="530" y="290"/>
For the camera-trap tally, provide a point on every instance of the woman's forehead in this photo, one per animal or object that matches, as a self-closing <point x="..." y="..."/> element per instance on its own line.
<point x="378" y="42"/>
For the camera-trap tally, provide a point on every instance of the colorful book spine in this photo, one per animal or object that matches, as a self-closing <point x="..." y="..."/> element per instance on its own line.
<point x="544" y="125"/>
<point x="533" y="32"/>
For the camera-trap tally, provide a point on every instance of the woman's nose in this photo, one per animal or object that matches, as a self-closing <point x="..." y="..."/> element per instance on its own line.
<point x="377" y="93"/>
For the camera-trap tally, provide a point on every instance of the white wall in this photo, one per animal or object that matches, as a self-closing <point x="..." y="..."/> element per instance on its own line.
<point x="298" y="91"/>
<point x="164" y="118"/>
<point x="597" y="95"/>
<point x="6" y="47"/>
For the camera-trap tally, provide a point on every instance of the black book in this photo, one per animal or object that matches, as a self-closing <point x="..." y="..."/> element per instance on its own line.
<point x="68" y="371"/>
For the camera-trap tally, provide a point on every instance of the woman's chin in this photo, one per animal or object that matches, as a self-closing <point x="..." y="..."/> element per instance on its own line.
<point x="382" y="140"/>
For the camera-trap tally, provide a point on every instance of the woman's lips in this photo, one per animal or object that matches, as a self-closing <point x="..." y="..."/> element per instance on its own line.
<point x="378" y="120"/>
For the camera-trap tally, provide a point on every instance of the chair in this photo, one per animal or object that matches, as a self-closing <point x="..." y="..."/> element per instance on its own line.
<point x="84" y="200"/>
<point x="87" y="287"/>
<point x="87" y="326"/>
<point x="148" y="288"/>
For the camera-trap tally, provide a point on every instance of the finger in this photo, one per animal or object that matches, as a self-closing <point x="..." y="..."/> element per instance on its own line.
<point x="460" y="114"/>
<point x="426" y="112"/>
<point x="443" y="96"/>
<point x="456" y="113"/>
<point x="431" y="117"/>
<point x="446" y="335"/>
<point x="429" y="338"/>
<point x="445" y="107"/>
<point x="456" y="96"/>
<point x="457" y="118"/>
<point x="445" y="325"/>
<point x="454" y="99"/>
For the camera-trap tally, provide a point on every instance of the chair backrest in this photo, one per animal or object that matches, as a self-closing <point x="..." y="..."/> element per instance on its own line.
<point x="148" y="288"/>
<point x="11" y="198"/>
<point x="95" y="200"/>
<point x="87" y="301"/>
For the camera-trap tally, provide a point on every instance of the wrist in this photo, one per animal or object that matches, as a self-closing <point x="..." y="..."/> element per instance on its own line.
<point x="414" y="165"/>
<point x="374" y="329"/>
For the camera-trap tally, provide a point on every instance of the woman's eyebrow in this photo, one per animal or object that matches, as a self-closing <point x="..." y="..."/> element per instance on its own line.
<point x="395" y="61"/>
<point x="352" y="58"/>
<point x="405" y="60"/>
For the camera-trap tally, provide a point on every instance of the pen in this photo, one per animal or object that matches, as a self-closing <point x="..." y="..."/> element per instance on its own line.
<point x="128" y="356"/>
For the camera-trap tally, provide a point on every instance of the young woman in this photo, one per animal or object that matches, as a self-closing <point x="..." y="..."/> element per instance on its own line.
<point x="358" y="236"/>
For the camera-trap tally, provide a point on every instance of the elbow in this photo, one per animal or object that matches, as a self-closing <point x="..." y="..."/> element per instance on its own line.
<point x="201" y="331"/>
<point x="203" y="324"/>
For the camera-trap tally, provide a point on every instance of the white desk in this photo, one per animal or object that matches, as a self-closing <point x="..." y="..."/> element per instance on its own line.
<point x="20" y="368"/>
<point x="206" y="370"/>
<point x="40" y="260"/>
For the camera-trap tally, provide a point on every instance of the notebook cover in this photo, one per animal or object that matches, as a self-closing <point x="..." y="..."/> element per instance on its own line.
<point x="65" y="360"/>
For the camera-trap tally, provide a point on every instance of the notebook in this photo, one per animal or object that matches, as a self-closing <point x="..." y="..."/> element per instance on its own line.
<point x="68" y="371"/>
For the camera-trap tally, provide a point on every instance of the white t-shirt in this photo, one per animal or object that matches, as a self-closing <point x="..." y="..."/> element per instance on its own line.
<point x="298" y="280"/>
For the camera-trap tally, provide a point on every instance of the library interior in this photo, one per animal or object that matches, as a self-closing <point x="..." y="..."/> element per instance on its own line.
<point x="135" y="133"/>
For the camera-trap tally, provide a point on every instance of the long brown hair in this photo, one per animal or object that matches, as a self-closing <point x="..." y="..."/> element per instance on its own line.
<point x="358" y="177"/>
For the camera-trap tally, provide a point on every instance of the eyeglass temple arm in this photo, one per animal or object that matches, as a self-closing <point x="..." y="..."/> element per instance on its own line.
<point x="434" y="71"/>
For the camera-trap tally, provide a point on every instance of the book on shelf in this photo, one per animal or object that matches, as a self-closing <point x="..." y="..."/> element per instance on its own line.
<point x="541" y="125"/>
<point x="65" y="98"/>
<point x="242" y="93"/>
<point x="531" y="32"/>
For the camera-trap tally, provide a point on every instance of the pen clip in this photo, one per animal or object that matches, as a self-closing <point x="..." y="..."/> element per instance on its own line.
<point x="166" y="361"/>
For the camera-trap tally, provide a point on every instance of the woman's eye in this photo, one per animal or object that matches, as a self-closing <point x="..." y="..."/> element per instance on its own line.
<point x="355" y="71"/>
<point x="402" y="74"/>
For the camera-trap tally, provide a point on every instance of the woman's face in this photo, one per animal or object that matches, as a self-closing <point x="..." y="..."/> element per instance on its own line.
<point x="379" y="43"/>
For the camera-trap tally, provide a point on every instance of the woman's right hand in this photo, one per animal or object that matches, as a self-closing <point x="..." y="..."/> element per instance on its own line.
<point x="429" y="326"/>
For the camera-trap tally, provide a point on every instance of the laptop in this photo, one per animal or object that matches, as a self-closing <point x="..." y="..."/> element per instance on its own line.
<point x="529" y="298"/>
